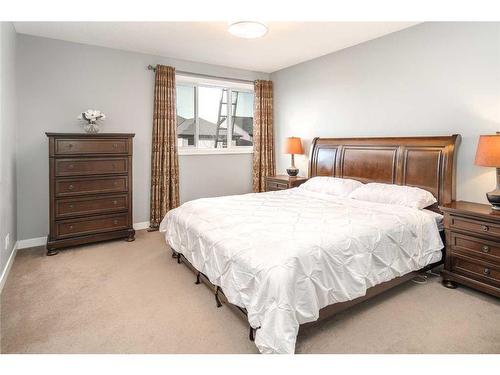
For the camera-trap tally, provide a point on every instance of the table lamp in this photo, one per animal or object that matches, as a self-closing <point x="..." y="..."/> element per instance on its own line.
<point x="293" y="145"/>
<point x="488" y="155"/>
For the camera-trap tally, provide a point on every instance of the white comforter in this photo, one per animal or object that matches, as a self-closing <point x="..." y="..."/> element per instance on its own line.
<point x="284" y="255"/>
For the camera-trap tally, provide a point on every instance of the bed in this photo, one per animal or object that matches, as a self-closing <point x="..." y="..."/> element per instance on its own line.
<point x="289" y="258"/>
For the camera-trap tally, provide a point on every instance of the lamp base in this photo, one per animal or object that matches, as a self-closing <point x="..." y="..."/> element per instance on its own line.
<point x="494" y="199"/>
<point x="292" y="172"/>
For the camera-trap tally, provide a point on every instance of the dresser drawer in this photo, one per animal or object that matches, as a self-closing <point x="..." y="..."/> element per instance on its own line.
<point x="476" y="269"/>
<point x="90" y="205"/>
<point x="75" y="146"/>
<point x="91" y="225"/>
<point x="475" y="246"/>
<point x="271" y="185"/>
<point x="476" y="226"/>
<point x="68" y="187"/>
<point x="74" y="167"/>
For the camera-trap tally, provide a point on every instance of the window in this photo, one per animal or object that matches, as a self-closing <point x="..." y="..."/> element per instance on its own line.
<point x="185" y="116"/>
<point x="214" y="117"/>
<point x="242" y="119"/>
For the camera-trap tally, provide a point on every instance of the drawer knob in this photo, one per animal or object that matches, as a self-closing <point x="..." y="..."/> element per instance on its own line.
<point x="115" y="222"/>
<point x="70" y="145"/>
<point x="485" y="228"/>
<point x="115" y="202"/>
<point x="71" y="227"/>
<point x="71" y="166"/>
<point x="115" y="145"/>
<point x="71" y="187"/>
<point x="71" y="206"/>
<point x="115" y="183"/>
<point x="487" y="271"/>
<point x="485" y="249"/>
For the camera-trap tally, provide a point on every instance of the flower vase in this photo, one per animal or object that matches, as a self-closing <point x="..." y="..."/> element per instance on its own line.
<point x="91" y="128"/>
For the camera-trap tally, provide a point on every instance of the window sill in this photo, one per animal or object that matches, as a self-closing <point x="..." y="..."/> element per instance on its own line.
<point x="215" y="151"/>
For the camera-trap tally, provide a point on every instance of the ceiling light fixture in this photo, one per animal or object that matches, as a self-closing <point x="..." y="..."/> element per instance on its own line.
<point x="248" y="29"/>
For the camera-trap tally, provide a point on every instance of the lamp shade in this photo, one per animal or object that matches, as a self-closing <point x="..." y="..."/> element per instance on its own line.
<point x="488" y="151"/>
<point x="293" y="145"/>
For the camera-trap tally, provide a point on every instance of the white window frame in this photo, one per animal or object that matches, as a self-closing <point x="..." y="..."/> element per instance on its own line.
<point x="206" y="82"/>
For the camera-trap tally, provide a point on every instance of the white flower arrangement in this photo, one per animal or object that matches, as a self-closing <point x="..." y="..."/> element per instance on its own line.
<point x="91" y="116"/>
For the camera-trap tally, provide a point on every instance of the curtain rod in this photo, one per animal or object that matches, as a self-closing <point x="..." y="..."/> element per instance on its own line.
<point x="151" y="67"/>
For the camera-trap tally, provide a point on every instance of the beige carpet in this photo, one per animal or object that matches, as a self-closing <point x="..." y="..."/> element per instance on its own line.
<point x="119" y="297"/>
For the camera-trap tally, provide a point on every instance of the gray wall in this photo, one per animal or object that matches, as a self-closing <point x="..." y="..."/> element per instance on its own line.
<point x="57" y="80"/>
<point x="433" y="78"/>
<point x="214" y="175"/>
<point x="8" y="127"/>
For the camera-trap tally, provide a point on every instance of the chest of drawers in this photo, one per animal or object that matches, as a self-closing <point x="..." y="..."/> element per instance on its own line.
<point x="90" y="189"/>
<point x="472" y="246"/>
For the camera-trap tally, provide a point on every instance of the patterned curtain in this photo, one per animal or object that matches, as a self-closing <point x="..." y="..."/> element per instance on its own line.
<point x="164" y="161"/>
<point x="263" y="139"/>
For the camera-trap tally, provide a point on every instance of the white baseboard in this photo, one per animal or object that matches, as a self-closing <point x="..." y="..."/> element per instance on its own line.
<point x="41" y="241"/>
<point x="32" y="242"/>
<point x="6" y="270"/>
<point x="143" y="225"/>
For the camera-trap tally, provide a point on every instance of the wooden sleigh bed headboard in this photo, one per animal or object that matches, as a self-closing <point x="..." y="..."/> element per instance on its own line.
<point x="425" y="162"/>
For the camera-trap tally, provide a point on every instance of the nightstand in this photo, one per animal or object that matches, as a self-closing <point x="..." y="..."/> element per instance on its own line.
<point x="472" y="246"/>
<point x="283" y="182"/>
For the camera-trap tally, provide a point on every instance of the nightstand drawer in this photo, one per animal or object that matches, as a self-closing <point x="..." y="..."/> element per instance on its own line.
<point x="475" y="246"/>
<point x="271" y="185"/>
<point x="283" y="182"/>
<point x="476" y="226"/>
<point x="476" y="269"/>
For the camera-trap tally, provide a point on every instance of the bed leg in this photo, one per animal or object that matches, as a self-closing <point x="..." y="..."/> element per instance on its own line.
<point x="197" y="279"/>
<point x="217" y="299"/>
<point x="177" y="256"/>
<point x="251" y="334"/>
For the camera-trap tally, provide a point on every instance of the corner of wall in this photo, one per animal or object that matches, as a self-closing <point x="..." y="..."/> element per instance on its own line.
<point x="8" y="135"/>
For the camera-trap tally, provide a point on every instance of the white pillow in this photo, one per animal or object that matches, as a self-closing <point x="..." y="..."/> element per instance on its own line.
<point x="394" y="194"/>
<point x="340" y="187"/>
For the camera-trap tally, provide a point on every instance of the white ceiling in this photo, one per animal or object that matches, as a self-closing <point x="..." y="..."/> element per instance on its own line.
<point x="286" y="43"/>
